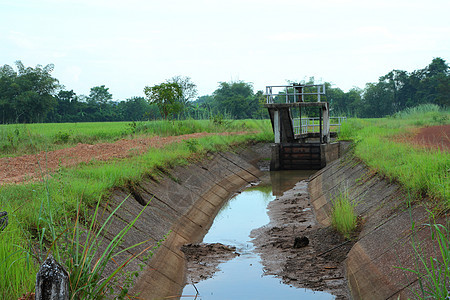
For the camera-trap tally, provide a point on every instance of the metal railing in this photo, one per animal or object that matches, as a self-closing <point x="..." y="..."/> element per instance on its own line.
<point x="293" y="93"/>
<point x="310" y="124"/>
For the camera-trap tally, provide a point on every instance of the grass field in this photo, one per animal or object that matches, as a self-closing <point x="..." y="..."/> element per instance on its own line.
<point x="28" y="205"/>
<point x="19" y="139"/>
<point x="379" y="143"/>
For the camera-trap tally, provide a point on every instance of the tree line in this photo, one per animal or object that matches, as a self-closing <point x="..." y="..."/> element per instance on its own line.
<point x="395" y="91"/>
<point x="29" y="95"/>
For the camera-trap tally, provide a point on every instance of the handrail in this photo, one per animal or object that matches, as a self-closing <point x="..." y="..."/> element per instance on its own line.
<point x="308" y="124"/>
<point x="293" y="93"/>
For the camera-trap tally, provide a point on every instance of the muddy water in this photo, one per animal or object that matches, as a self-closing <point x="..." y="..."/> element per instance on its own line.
<point x="243" y="277"/>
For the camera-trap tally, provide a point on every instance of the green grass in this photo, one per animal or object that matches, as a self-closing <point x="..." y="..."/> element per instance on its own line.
<point x="17" y="267"/>
<point x="423" y="172"/>
<point x="343" y="217"/>
<point x="86" y="183"/>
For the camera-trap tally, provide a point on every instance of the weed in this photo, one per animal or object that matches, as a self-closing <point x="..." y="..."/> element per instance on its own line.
<point x="192" y="145"/>
<point x="85" y="253"/>
<point x="343" y="216"/>
<point x="62" y="137"/>
<point x="219" y="120"/>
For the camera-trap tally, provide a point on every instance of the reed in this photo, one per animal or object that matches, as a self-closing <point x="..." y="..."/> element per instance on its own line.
<point x="343" y="217"/>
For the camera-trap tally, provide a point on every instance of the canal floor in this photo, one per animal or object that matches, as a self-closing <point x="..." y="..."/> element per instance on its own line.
<point x="243" y="277"/>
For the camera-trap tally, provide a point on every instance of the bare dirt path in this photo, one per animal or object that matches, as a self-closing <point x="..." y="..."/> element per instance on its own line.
<point x="31" y="167"/>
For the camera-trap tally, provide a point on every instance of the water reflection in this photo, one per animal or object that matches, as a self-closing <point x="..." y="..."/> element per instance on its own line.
<point x="243" y="277"/>
<point x="285" y="180"/>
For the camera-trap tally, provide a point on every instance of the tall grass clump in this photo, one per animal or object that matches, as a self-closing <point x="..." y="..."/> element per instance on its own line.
<point x="79" y="244"/>
<point x="417" y="110"/>
<point x="343" y="217"/>
<point x="424" y="114"/>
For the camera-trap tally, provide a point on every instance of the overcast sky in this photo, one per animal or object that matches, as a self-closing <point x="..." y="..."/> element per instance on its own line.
<point x="127" y="45"/>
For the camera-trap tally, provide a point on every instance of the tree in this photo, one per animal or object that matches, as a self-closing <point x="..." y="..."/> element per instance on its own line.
<point x="397" y="82"/>
<point x="165" y="96"/>
<point x="188" y="88"/>
<point x="378" y="100"/>
<point x="134" y="109"/>
<point x="236" y="98"/>
<point x="260" y="112"/>
<point x="100" y="95"/>
<point x="28" y="94"/>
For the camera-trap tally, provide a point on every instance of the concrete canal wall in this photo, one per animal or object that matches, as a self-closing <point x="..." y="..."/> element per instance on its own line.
<point x="384" y="243"/>
<point x="184" y="202"/>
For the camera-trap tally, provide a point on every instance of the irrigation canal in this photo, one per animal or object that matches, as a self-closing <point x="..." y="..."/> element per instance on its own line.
<point x="243" y="277"/>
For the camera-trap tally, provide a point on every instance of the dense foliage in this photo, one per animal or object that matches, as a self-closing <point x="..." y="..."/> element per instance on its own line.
<point x="30" y="95"/>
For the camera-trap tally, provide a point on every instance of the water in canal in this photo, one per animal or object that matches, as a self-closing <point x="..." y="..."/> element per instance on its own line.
<point x="243" y="277"/>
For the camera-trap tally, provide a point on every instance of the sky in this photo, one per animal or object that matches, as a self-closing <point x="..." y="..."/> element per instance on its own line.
<point x="127" y="45"/>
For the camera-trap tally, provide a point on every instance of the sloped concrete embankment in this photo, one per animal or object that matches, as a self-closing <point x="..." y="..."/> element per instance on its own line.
<point x="183" y="202"/>
<point x="384" y="243"/>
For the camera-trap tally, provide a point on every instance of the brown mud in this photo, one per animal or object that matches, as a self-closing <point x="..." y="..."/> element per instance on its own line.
<point x="203" y="259"/>
<point x="295" y="248"/>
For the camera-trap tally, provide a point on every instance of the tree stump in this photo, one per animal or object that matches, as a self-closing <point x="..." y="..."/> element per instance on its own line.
<point x="52" y="281"/>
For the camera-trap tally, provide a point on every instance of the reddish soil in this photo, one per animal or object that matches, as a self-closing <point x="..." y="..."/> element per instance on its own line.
<point x="27" y="296"/>
<point x="31" y="167"/>
<point x="431" y="137"/>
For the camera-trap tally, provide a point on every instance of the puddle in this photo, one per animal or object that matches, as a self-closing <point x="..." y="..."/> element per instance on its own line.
<point x="243" y="276"/>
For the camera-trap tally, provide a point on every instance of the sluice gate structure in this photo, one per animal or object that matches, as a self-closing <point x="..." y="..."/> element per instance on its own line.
<point x="298" y="145"/>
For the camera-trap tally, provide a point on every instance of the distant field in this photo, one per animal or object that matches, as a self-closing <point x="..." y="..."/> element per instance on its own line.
<point x="19" y="139"/>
